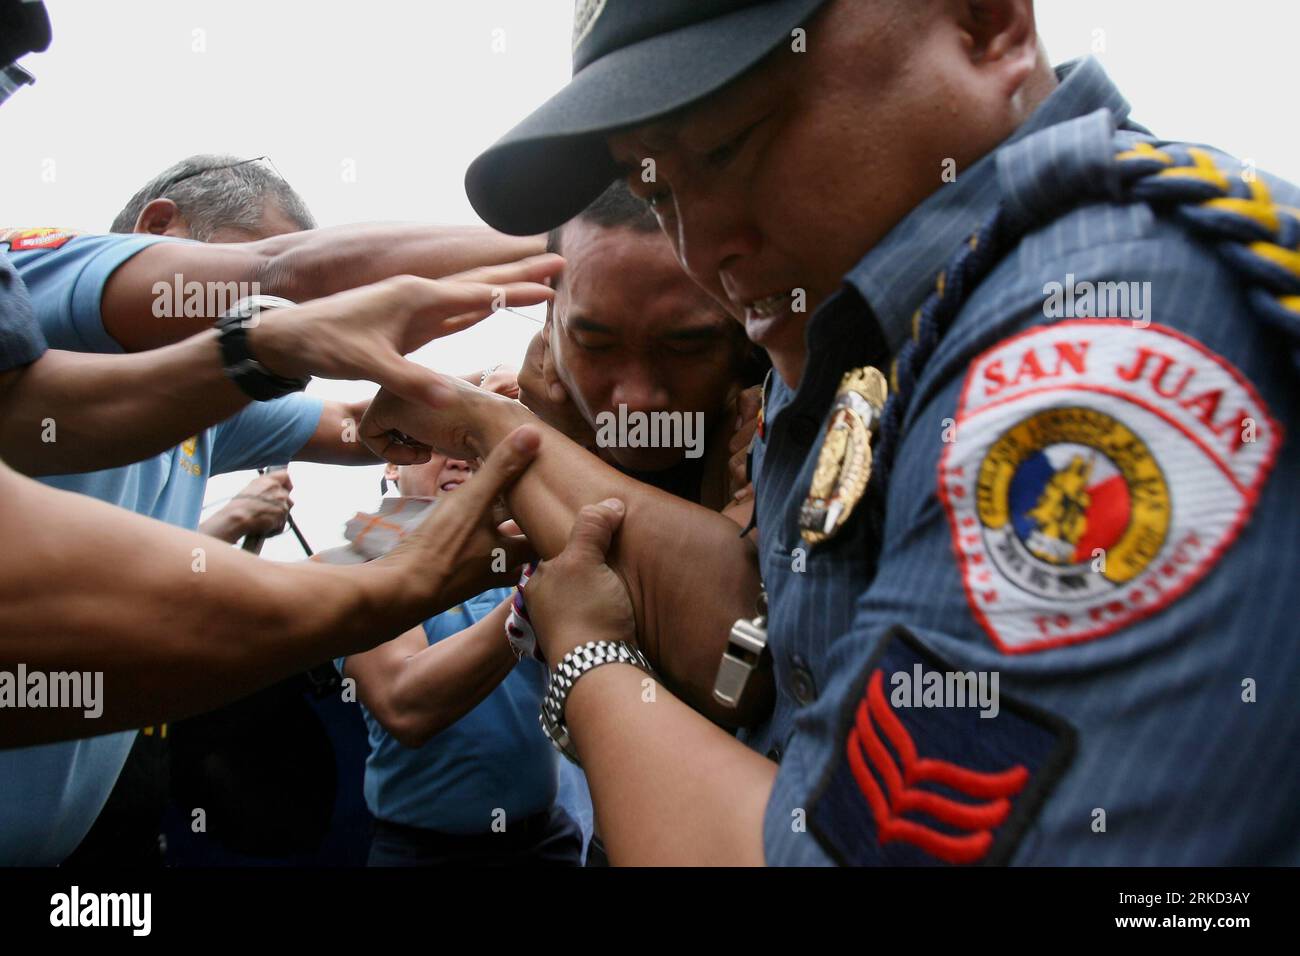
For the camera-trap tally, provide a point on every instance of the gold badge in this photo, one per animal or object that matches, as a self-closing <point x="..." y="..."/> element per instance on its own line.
<point x="844" y="462"/>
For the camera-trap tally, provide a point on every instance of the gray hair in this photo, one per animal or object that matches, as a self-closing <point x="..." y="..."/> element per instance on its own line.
<point x="214" y="192"/>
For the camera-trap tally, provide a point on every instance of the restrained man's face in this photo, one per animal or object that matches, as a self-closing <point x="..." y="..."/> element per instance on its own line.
<point x="628" y="327"/>
<point x="439" y="475"/>
<point x="783" y="180"/>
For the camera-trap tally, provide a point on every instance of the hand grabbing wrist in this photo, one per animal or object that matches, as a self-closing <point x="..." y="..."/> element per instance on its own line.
<point x="576" y="597"/>
<point x="489" y="418"/>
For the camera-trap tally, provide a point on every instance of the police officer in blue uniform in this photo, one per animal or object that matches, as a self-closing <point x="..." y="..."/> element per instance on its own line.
<point x="168" y="395"/>
<point x="1023" y="479"/>
<point x="26" y="30"/>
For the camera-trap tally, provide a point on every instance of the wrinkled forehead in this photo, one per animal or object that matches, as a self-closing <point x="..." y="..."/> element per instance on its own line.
<point x="629" y="282"/>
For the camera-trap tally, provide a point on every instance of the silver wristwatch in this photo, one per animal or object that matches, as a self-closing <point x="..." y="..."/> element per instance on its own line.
<point x="572" y="666"/>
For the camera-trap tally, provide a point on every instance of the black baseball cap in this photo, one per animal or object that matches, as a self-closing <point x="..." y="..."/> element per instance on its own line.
<point x="24" y="28"/>
<point x="633" y="61"/>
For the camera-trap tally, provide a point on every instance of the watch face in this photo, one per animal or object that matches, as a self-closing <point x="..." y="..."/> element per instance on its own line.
<point x="240" y="365"/>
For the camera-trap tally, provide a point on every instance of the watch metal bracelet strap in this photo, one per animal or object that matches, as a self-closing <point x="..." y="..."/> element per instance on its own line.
<point x="253" y="378"/>
<point x="573" y="665"/>
<point x="743" y="656"/>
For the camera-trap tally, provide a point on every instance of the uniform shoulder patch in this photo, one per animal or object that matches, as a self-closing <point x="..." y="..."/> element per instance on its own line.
<point x="1099" y="471"/>
<point x="24" y="240"/>
<point x="937" y="767"/>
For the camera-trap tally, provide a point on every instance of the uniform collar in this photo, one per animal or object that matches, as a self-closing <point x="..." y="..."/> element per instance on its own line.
<point x="896" y="275"/>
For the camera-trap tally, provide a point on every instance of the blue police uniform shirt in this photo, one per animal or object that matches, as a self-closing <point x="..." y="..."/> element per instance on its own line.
<point x="66" y="284"/>
<point x="1143" y="713"/>
<point x="54" y="792"/>
<point x="21" y="341"/>
<point x="66" y="276"/>
<point x="495" y="757"/>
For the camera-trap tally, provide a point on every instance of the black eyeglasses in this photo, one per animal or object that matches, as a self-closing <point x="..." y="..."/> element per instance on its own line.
<point x="175" y="180"/>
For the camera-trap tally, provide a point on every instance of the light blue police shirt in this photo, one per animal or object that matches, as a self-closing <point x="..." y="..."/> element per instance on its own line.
<point x="52" y="794"/>
<point x="495" y="758"/>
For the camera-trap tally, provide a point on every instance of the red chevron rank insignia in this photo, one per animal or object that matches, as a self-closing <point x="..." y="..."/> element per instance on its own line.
<point x="937" y="766"/>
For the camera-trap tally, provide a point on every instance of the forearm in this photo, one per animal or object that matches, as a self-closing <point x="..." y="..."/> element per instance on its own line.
<point x="75" y="412"/>
<point x="175" y="623"/>
<point x="222" y="527"/>
<point x="336" y="440"/>
<point x="688" y="571"/>
<point x="139" y="306"/>
<point x="319" y="262"/>
<point x="669" y="788"/>
<point x="443" y="682"/>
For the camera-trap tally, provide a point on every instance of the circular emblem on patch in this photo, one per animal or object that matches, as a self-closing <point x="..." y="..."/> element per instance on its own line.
<point x="1098" y="471"/>
<point x="1066" y="489"/>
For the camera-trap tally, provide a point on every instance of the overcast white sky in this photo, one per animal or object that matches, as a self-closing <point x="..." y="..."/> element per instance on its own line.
<point x="405" y="94"/>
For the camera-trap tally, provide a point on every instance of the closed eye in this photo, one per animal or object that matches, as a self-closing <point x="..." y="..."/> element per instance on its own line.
<point x="718" y="158"/>
<point x="659" y="200"/>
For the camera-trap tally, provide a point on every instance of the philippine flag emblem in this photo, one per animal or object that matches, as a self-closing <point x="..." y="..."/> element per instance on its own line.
<point x="1071" y="503"/>
<point x="1067" y="500"/>
<point x="1099" y="470"/>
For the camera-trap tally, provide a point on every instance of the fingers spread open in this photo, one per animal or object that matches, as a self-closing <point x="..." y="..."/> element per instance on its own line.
<point x="537" y="268"/>
<point x="406" y="379"/>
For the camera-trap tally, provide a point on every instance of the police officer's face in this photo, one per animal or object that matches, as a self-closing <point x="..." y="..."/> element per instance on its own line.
<point x="274" y="223"/>
<point x="629" y="328"/>
<point x="163" y="218"/>
<point x="773" y="188"/>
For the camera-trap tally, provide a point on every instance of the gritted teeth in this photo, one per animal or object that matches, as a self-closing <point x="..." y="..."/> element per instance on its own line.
<point x="769" y="304"/>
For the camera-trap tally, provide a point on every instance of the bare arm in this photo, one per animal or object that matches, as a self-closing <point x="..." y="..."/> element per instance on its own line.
<point x="416" y="689"/>
<point x="669" y="788"/>
<point x="109" y="410"/>
<point x="297" y="266"/>
<point x="72" y="412"/>
<point x="689" y="572"/>
<point x="177" y="624"/>
<point x="336" y="441"/>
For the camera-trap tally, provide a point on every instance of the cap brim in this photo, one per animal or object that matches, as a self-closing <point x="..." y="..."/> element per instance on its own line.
<point x="553" y="164"/>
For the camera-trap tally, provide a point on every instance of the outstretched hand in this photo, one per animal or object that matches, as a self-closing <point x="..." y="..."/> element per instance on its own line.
<point x="365" y="333"/>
